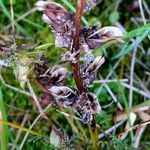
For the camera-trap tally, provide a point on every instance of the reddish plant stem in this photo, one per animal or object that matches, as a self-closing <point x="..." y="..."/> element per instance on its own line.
<point x="75" y="48"/>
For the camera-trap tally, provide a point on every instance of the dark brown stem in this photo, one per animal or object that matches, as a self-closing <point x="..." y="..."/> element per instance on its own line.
<point x="75" y="49"/>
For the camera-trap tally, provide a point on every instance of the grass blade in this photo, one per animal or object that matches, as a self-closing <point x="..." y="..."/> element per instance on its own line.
<point x="6" y="12"/>
<point x="44" y="46"/>
<point x="19" y="127"/>
<point x="137" y="32"/>
<point x="29" y="22"/>
<point x="127" y="48"/>
<point x="144" y="104"/>
<point x="3" y="128"/>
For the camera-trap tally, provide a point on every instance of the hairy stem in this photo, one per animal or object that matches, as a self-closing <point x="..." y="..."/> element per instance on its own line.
<point x="75" y="48"/>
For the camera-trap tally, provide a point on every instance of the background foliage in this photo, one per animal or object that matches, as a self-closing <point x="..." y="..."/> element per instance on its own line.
<point x="129" y="61"/>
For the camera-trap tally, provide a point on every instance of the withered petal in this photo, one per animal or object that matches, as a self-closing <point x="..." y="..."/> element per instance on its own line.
<point x="60" y="91"/>
<point x="41" y="5"/>
<point x="96" y="38"/>
<point x="59" y="74"/>
<point x="109" y="31"/>
<point x="94" y="102"/>
<point x="94" y="66"/>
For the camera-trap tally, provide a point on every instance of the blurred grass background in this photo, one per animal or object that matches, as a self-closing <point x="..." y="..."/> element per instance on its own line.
<point x="129" y="61"/>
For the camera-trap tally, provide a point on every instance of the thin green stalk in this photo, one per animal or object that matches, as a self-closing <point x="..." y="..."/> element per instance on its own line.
<point x="94" y="138"/>
<point x="128" y="112"/>
<point x="8" y="15"/>
<point x="4" y="133"/>
<point x="127" y="108"/>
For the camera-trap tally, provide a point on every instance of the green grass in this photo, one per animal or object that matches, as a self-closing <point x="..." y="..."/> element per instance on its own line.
<point x="4" y="131"/>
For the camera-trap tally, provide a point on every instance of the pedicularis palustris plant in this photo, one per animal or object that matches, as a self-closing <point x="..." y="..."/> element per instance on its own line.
<point x="75" y="39"/>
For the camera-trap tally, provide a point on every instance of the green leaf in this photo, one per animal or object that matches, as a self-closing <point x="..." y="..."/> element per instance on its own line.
<point x="19" y="127"/>
<point x="6" y="12"/>
<point x="3" y="128"/>
<point x="114" y="17"/>
<point x="129" y="47"/>
<point x="30" y="22"/>
<point x="144" y="104"/>
<point x="137" y="32"/>
<point x="44" y="46"/>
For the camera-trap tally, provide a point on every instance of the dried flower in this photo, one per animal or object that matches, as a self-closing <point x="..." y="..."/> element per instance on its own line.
<point x="71" y="100"/>
<point x="49" y="77"/>
<point x="60" y="91"/>
<point x="43" y="76"/>
<point x="58" y="74"/>
<point x="90" y="70"/>
<point x="109" y="32"/>
<point x="60" y="20"/>
<point x="93" y="38"/>
<point x="85" y="104"/>
<point x="94" y="66"/>
<point x="63" y="24"/>
<point x="94" y="102"/>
